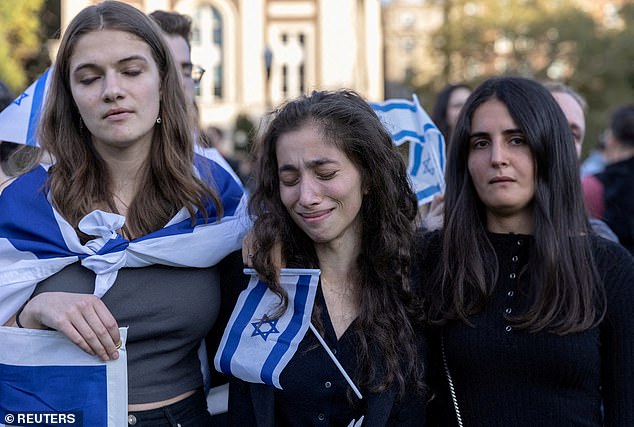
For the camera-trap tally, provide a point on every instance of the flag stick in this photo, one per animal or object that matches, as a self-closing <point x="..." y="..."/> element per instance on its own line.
<point x="334" y="359"/>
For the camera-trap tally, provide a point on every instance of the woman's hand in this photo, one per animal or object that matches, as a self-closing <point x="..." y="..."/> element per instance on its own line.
<point x="83" y="318"/>
<point x="250" y="245"/>
<point x="434" y="217"/>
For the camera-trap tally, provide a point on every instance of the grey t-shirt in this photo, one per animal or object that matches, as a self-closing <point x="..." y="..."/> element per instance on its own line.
<point x="168" y="310"/>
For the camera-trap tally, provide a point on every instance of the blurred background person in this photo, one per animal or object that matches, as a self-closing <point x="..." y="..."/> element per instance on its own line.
<point x="449" y="102"/>
<point x="177" y="30"/>
<point x="575" y="107"/>
<point x="609" y="194"/>
<point x="14" y="158"/>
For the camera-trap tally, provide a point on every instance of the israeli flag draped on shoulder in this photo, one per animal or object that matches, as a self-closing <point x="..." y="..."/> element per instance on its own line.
<point x="36" y="242"/>
<point x="18" y="121"/>
<point x="256" y="347"/>
<point x="407" y="121"/>
<point x="45" y="377"/>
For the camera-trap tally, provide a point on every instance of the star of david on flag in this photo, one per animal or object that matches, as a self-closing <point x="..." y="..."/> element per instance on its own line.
<point x="256" y="346"/>
<point x="407" y="121"/>
<point x="264" y="327"/>
<point x="18" y="122"/>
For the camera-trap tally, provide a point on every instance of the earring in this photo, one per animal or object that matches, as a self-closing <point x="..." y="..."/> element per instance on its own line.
<point x="158" y="120"/>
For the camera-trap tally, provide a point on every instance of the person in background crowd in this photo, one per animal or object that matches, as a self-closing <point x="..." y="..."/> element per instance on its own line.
<point x="595" y="162"/>
<point x="445" y="113"/>
<point x="532" y="311"/>
<point x="14" y="158"/>
<point x="155" y="226"/>
<point x="449" y="102"/>
<point x="332" y="190"/>
<point x="610" y="194"/>
<point x="574" y="107"/>
<point x="177" y="30"/>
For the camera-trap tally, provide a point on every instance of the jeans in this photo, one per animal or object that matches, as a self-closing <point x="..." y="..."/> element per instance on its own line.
<point x="189" y="412"/>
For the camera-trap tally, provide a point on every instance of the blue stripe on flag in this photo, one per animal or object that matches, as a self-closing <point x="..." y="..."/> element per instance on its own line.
<point x="240" y="324"/>
<point x="393" y="106"/>
<point x="428" y="191"/>
<point x="295" y="324"/>
<point x="36" y="108"/>
<point x="418" y="154"/>
<point x="27" y="213"/>
<point x="408" y="134"/>
<point x="21" y="391"/>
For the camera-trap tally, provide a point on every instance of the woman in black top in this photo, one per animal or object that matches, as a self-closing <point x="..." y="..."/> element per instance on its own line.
<point x="534" y="310"/>
<point x="333" y="191"/>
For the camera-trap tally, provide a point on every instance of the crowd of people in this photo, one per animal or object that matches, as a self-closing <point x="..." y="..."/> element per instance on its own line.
<point x="506" y="301"/>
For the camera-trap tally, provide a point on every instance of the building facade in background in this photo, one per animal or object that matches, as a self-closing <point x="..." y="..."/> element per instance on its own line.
<point x="258" y="53"/>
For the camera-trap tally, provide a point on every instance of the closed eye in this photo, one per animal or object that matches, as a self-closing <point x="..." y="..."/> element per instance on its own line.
<point x="88" y="80"/>
<point x="289" y="179"/>
<point x="328" y="175"/>
<point x="132" y="73"/>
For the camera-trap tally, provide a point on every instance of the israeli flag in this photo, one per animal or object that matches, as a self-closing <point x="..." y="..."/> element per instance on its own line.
<point x="37" y="242"/>
<point x="45" y="379"/>
<point x="256" y="345"/>
<point x="407" y="121"/>
<point x="18" y="122"/>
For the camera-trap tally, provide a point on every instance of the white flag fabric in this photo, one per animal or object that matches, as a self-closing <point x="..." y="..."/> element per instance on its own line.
<point x="37" y="242"/>
<point x="407" y="121"/>
<point x="18" y="122"/>
<point x="45" y="379"/>
<point x="256" y="347"/>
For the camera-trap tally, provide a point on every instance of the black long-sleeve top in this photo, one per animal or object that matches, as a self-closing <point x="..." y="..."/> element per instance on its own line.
<point x="509" y="377"/>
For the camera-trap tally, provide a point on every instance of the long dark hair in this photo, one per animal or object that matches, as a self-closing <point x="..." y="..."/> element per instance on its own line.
<point x="79" y="178"/>
<point x="566" y="294"/>
<point x="385" y="327"/>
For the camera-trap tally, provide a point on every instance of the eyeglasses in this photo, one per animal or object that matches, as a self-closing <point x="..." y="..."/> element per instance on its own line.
<point x="197" y="73"/>
<point x="194" y="72"/>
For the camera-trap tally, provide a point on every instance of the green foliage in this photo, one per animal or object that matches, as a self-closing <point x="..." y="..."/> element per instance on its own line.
<point x="20" y="41"/>
<point x="543" y="39"/>
<point x="244" y="133"/>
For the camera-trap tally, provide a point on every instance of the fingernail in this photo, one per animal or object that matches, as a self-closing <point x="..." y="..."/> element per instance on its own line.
<point x="115" y="355"/>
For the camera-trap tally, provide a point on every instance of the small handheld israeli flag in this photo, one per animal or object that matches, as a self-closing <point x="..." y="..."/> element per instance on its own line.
<point x="407" y="121"/>
<point x="45" y="379"/>
<point x="256" y="345"/>
<point x="18" y="122"/>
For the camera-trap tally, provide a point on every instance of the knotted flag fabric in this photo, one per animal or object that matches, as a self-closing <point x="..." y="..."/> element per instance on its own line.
<point x="407" y="121"/>
<point x="18" y="122"/>
<point x="45" y="379"/>
<point x="256" y="345"/>
<point x="37" y="242"/>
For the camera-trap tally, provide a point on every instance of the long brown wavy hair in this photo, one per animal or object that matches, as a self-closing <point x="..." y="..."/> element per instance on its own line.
<point x="566" y="293"/>
<point x="385" y="328"/>
<point x="79" y="179"/>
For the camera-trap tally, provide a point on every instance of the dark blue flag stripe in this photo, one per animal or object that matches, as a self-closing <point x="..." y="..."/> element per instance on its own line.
<point x="286" y="337"/>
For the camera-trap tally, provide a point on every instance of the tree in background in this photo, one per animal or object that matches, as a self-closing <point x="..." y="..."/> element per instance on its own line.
<point x="542" y="39"/>
<point x="23" y="52"/>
